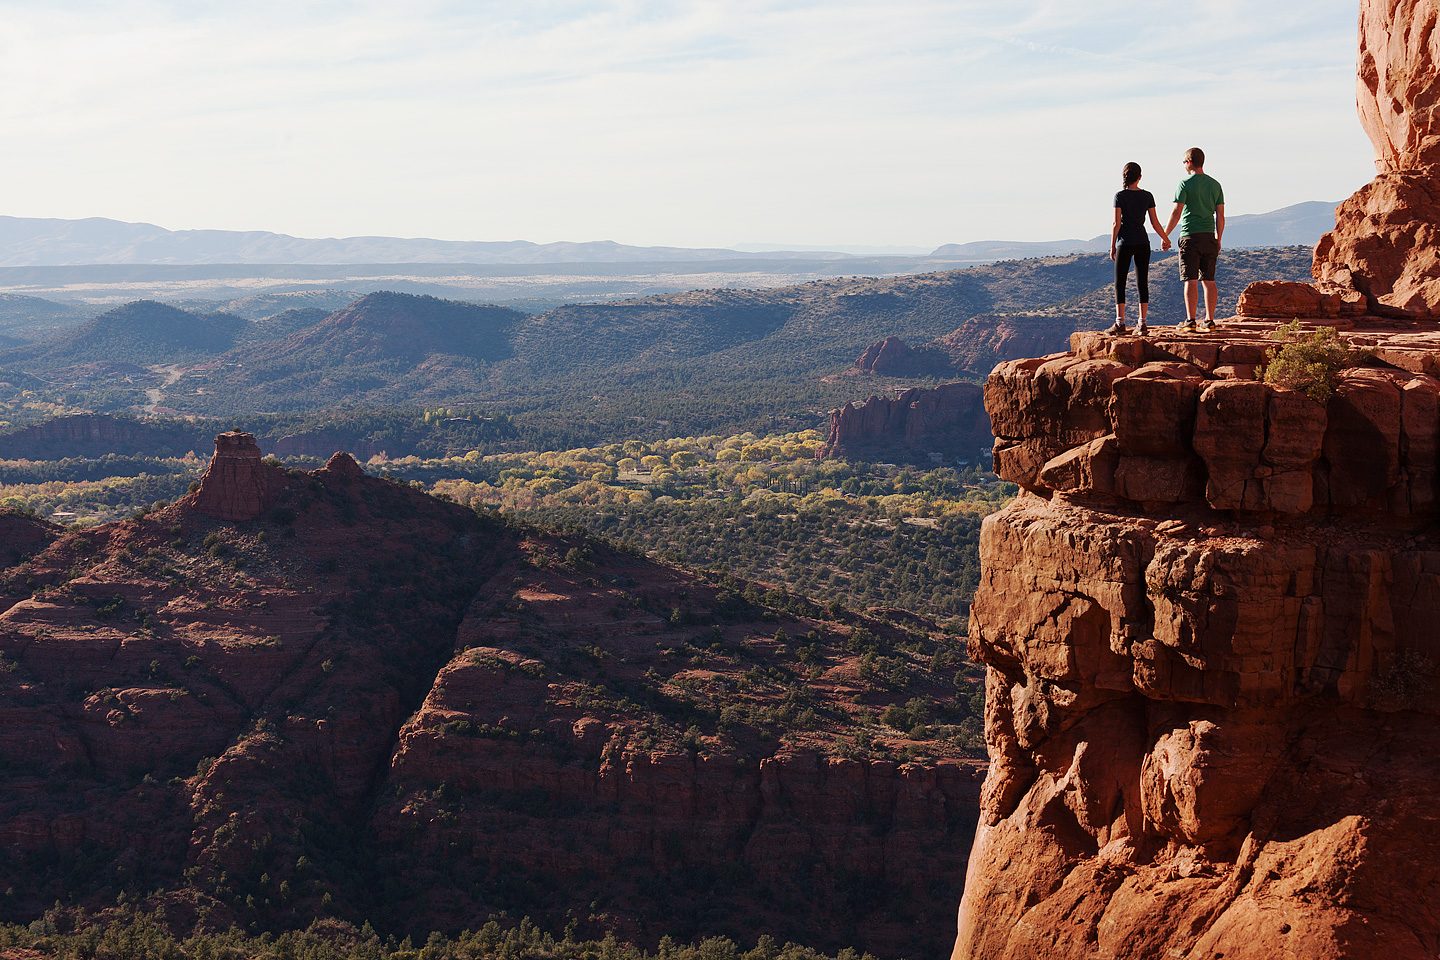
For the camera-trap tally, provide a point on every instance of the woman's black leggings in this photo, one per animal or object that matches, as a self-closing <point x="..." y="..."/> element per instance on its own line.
<point x="1140" y="253"/>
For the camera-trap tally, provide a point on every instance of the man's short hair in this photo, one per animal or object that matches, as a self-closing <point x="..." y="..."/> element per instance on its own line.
<point x="1196" y="156"/>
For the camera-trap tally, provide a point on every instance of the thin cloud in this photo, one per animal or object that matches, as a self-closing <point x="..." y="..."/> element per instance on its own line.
<point x="695" y="122"/>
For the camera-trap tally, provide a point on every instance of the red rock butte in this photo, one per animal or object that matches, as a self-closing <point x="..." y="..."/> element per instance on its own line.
<point x="1209" y="618"/>
<point x="237" y="485"/>
<point x="946" y="419"/>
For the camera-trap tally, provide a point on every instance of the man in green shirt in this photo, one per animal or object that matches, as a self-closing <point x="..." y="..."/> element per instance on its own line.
<point x="1201" y="203"/>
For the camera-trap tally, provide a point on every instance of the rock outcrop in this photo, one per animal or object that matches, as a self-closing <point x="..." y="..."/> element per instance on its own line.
<point x="1399" y="65"/>
<point x="893" y="357"/>
<point x="922" y="425"/>
<point x="98" y="434"/>
<point x="238" y="484"/>
<point x="21" y="537"/>
<point x="1385" y="248"/>
<point x="292" y="694"/>
<point x="1208" y="624"/>
<point x="983" y="341"/>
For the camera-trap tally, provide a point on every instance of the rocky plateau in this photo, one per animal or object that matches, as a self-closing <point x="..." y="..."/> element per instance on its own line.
<point x="1208" y="629"/>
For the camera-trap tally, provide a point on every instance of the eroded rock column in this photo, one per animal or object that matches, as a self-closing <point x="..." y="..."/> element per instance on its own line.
<point x="1385" y="246"/>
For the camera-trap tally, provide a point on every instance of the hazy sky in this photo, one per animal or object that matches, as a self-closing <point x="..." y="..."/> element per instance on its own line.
<point x="689" y="122"/>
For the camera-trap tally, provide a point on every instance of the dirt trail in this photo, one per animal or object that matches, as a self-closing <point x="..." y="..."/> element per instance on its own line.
<point x="171" y="372"/>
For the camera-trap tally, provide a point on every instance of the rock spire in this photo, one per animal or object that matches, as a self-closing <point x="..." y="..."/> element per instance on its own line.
<point x="1385" y="248"/>
<point x="238" y="485"/>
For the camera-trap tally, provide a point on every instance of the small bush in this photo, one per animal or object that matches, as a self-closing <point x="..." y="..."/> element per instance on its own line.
<point x="1309" y="363"/>
<point x="1405" y="684"/>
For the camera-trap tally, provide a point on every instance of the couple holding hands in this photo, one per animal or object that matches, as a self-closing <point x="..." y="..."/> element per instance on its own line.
<point x="1200" y="212"/>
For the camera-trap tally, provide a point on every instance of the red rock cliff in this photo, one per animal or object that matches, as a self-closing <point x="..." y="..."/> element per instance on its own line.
<point x="294" y="693"/>
<point x="893" y="357"/>
<point x="237" y="485"/>
<point x="921" y="425"/>
<point x="98" y="434"/>
<point x="1385" y="246"/>
<point x="1209" y="631"/>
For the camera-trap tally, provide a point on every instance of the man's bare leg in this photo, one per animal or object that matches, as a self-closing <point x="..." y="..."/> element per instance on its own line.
<point x="1211" y="295"/>
<point x="1192" y="298"/>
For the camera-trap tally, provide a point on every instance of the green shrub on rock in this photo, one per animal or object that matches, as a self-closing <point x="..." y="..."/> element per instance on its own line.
<point x="1308" y="362"/>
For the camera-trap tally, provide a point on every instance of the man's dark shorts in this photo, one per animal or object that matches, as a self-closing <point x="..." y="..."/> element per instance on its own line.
<point x="1198" y="253"/>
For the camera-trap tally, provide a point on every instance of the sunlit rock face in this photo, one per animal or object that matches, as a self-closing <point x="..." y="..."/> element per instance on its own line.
<point x="1386" y="243"/>
<point x="237" y="485"/>
<point x="1395" y="86"/>
<point x="1209" y="628"/>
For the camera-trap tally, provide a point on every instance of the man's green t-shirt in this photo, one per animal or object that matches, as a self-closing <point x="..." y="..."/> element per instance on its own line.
<point x="1201" y="194"/>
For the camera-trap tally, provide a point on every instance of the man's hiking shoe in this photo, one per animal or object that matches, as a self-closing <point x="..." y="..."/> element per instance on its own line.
<point x="1207" y="325"/>
<point x="1118" y="329"/>
<point x="1142" y="330"/>
<point x="1187" y="327"/>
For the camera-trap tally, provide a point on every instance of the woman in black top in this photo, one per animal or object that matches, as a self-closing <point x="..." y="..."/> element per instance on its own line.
<point x="1129" y="241"/>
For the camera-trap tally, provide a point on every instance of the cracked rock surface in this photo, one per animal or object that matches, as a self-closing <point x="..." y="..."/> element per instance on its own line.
<point x="1209" y="624"/>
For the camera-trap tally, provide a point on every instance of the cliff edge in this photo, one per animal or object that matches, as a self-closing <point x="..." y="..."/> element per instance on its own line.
<point x="1208" y="620"/>
<point x="1208" y="629"/>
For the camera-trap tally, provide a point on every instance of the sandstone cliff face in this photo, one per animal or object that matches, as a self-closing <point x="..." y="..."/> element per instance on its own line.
<point x="981" y="342"/>
<point x="1212" y="662"/>
<point x="95" y="435"/>
<point x="893" y="357"/>
<point x="924" y="425"/>
<point x="1385" y="247"/>
<point x="1399" y="61"/>
<point x="237" y="485"/>
<point x="294" y="693"/>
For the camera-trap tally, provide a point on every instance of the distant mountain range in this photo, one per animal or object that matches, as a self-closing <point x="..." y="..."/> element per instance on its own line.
<point x="29" y="242"/>
<point x="26" y="242"/>
<point x="1299" y="225"/>
<point x="703" y="361"/>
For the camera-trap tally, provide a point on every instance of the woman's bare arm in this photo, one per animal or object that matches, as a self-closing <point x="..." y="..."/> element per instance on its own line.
<point x="1114" y="233"/>
<point x="1164" y="236"/>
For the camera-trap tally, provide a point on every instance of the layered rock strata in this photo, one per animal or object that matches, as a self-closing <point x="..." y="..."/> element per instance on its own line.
<point x="924" y="425"/>
<point x="893" y="357"/>
<point x="236" y="485"/>
<point x="298" y="694"/>
<point x="98" y="434"/>
<point x="1208" y="623"/>
<point x="1385" y="248"/>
